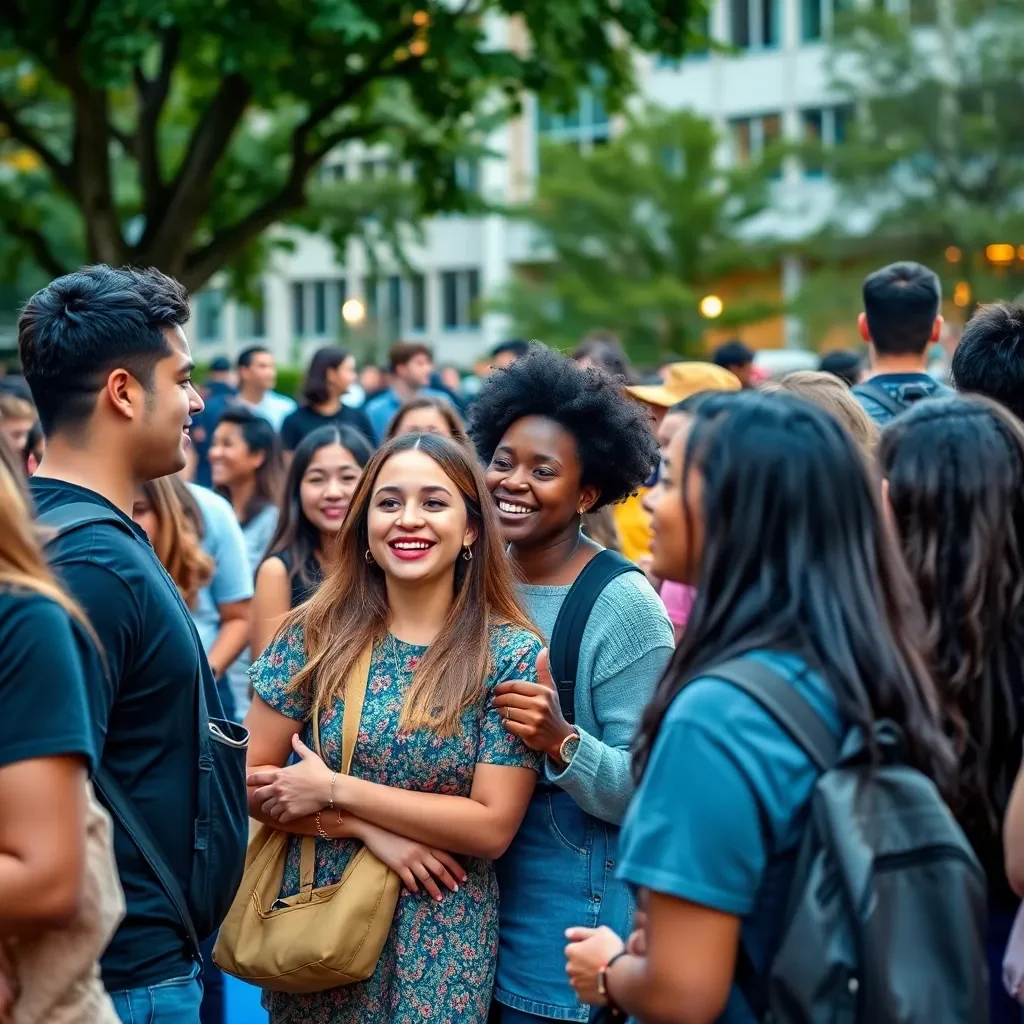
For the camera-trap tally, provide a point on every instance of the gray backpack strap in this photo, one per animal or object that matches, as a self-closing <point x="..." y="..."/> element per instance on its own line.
<point x="878" y="394"/>
<point x="784" y="703"/>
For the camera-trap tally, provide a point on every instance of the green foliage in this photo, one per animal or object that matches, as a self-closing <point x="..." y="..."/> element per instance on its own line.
<point x="176" y="132"/>
<point x="934" y="159"/>
<point x="637" y="232"/>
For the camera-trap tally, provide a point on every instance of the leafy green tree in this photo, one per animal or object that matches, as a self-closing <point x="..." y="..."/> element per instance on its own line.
<point x="177" y="132"/>
<point x="636" y="233"/>
<point x="932" y="167"/>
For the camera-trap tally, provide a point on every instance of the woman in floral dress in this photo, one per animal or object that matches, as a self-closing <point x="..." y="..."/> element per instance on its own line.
<point x="437" y="788"/>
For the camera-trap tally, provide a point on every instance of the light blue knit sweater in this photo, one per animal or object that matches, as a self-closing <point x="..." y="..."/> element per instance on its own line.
<point x="626" y="645"/>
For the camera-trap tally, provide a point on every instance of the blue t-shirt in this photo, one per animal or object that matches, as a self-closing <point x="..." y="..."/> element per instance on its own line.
<point x="722" y="807"/>
<point x="224" y="542"/>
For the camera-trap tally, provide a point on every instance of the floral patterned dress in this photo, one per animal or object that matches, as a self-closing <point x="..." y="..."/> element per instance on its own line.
<point x="438" y="962"/>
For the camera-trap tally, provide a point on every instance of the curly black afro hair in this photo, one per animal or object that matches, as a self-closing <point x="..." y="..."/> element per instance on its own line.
<point x="617" y="450"/>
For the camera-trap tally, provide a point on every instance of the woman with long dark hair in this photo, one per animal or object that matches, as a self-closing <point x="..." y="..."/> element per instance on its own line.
<point x="768" y="508"/>
<point x="246" y="468"/>
<point x="332" y="371"/>
<point x="322" y="478"/>
<point x="420" y="579"/>
<point x="954" y="473"/>
<point x="560" y="442"/>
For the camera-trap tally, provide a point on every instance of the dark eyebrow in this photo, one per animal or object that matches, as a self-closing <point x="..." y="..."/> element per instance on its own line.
<point x="429" y="489"/>
<point x="538" y="460"/>
<point x="186" y="369"/>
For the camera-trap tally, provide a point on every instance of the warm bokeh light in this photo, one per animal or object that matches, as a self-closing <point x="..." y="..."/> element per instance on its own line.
<point x="353" y="311"/>
<point x="962" y="293"/>
<point x="1001" y="252"/>
<point x="711" y="306"/>
<point x="418" y="47"/>
<point x="421" y="18"/>
<point x="953" y="254"/>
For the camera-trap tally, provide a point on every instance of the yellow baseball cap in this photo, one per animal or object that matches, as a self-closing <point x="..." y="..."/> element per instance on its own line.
<point x="681" y="380"/>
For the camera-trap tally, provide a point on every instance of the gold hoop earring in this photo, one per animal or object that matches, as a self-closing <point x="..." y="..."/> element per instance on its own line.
<point x="369" y="557"/>
<point x="467" y="553"/>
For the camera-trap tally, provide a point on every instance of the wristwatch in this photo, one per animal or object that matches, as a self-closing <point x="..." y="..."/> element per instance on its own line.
<point x="567" y="749"/>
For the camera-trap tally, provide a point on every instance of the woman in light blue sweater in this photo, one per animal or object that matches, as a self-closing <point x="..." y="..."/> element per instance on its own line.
<point x="560" y="441"/>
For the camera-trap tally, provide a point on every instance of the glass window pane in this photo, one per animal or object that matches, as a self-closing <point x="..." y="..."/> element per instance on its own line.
<point x="771" y="129"/>
<point x="810" y="19"/>
<point x="843" y="117"/>
<point x="770" y="23"/>
<point x="370" y="297"/>
<point x="319" y="308"/>
<point x="740" y="140"/>
<point x="394" y="305"/>
<point x="418" y="288"/>
<point x="813" y="127"/>
<point x="739" y="23"/>
<point x="298" y="309"/>
<point x="209" y="305"/>
<point x="449" y="299"/>
<point x="472" y="312"/>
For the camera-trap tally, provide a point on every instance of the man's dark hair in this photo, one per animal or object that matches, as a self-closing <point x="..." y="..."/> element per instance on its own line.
<point x="246" y="356"/>
<point x="901" y="302"/>
<point x="732" y="353"/>
<point x="403" y="352"/>
<point x="846" y="366"/>
<point x="617" y="450"/>
<point x="80" y="327"/>
<point x="514" y="346"/>
<point x="990" y="357"/>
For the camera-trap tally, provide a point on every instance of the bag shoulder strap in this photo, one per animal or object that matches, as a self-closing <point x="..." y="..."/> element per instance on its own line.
<point x="121" y="807"/>
<point x="571" y="623"/>
<point x="781" y="699"/>
<point x="355" y="694"/>
<point x="878" y="394"/>
<point x="63" y="520"/>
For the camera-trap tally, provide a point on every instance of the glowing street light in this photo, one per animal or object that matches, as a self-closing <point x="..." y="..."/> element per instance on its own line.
<point x="953" y="254"/>
<point x="353" y="311"/>
<point x="1001" y="252"/>
<point x="711" y="306"/>
<point x="962" y="293"/>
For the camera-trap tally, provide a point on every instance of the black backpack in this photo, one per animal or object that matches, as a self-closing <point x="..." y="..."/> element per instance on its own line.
<point x="221" y="827"/>
<point x="887" y="915"/>
<point x="567" y="635"/>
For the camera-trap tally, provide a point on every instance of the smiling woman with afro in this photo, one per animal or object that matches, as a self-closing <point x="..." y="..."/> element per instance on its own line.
<point x="616" y="448"/>
<point x="560" y="441"/>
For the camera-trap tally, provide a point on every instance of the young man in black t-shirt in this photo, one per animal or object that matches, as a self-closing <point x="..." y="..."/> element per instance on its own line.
<point x="109" y="366"/>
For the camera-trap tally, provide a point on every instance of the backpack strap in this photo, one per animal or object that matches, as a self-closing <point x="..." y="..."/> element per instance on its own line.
<point x="878" y="394"/>
<point x="781" y="699"/>
<point x="64" y="520"/>
<point x="566" y="637"/>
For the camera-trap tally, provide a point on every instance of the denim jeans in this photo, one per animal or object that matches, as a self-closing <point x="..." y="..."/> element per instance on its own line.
<point x="175" y="1001"/>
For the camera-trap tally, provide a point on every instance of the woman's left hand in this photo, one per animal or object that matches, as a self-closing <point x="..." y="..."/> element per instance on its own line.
<point x="588" y="951"/>
<point x="287" y="794"/>
<point x="532" y="712"/>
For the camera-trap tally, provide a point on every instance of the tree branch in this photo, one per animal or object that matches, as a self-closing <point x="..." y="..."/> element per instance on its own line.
<point x="152" y="97"/>
<point x="188" y="196"/>
<point x="36" y="241"/>
<point x="19" y="131"/>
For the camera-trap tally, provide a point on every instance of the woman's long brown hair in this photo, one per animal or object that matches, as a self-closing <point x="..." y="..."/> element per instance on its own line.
<point x="350" y="610"/>
<point x="177" y="542"/>
<point x="22" y="564"/>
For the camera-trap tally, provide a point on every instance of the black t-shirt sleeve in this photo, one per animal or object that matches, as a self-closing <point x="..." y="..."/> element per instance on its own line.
<point x="361" y="422"/>
<point x="42" y="684"/>
<point x="291" y="431"/>
<point x="113" y="611"/>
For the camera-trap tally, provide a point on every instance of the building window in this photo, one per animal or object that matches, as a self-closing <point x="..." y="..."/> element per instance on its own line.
<point x="586" y="126"/>
<point x="418" y="301"/>
<point x="209" y="305"/>
<point x="331" y="173"/>
<point x="818" y="16"/>
<point x="370" y="297"/>
<point x="755" y="24"/>
<point x="319" y="308"/>
<point x="752" y="135"/>
<point x="394" y="310"/>
<point x="467" y="175"/>
<point x="826" y="126"/>
<point x="298" y="309"/>
<point x="460" y="292"/>
<point x="251" y="321"/>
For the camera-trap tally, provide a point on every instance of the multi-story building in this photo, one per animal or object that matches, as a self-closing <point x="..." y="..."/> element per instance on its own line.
<point x="773" y="85"/>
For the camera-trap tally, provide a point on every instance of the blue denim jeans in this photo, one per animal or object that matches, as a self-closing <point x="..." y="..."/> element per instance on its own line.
<point x="175" y="1001"/>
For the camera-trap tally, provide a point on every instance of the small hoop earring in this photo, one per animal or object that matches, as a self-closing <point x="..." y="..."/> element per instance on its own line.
<point x="369" y="557"/>
<point x="467" y="553"/>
